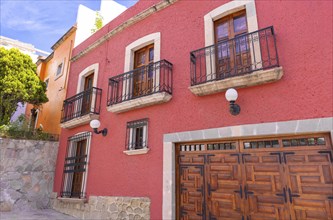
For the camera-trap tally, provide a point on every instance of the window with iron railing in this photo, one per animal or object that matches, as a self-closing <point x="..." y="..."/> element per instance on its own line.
<point x="145" y="80"/>
<point x="75" y="167"/>
<point x="83" y="103"/>
<point x="243" y="54"/>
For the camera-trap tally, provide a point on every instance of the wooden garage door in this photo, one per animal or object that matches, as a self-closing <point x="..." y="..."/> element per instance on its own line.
<point x="271" y="178"/>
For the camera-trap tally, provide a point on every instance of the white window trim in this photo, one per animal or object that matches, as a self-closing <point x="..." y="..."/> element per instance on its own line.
<point x="86" y="72"/>
<point x="222" y="11"/>
<point x="226" y="9"/>
<point x="154" y="38"/>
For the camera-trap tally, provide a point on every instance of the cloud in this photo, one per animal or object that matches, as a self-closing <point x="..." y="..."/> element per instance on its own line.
<point x="36" y="16"/>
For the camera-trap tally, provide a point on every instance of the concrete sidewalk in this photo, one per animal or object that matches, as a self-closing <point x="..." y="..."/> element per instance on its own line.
<point x="44" y="214"/>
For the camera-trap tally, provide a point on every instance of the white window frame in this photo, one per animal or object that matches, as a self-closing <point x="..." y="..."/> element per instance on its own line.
<point x="222" y="11"/>
<point x="86" y="72"/>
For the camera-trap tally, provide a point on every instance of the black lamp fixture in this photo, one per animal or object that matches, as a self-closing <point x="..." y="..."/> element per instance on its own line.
<point x="95" y="124"/>
<point x="231" y="95"/>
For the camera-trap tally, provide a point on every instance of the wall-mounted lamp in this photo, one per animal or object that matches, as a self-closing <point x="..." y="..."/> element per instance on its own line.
<point x="231" y="95"/>
<point x="94" y="124"/>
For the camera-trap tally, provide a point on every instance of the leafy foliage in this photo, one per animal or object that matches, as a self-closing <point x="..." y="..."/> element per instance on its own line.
<point x="20" y="129"/>
<point x="19" y="83"/>
<point x="98" y="22"/>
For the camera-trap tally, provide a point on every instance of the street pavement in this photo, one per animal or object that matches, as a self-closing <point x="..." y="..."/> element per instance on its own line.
<point x="44" y="214"/>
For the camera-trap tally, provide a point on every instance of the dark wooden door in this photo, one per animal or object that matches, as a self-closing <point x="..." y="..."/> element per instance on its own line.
<point x="87" y="94"/>
<point x="191" y="191"/>
<point x="143" y="74"/>
<point x="223" y="180"/>
<point x="232" y="56"/>
<point x="264" y="186"/>
<point x="275" y="178"/>
<point x="80" y="159"/>
<point x="309" y="176"/>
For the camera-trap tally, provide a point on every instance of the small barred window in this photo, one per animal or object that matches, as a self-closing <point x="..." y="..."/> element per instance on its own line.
<point x="137" y="134"/>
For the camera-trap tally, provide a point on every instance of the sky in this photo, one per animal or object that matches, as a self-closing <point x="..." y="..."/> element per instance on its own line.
<point x="42" y="22"/>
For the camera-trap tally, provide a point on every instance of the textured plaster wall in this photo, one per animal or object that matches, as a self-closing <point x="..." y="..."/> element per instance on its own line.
<point x="26" y="173"/>
<point x="304" y="92"/>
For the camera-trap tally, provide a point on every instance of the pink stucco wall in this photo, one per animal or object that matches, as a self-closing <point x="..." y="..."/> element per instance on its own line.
<point x="304" y="40"/>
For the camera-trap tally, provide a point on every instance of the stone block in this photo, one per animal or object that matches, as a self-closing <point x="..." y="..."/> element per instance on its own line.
<point x="13" y="194"/>
<point x="92" y="200"/>
<point x="113" y="208"/>
<point x="16" y="185"/>
<point x="5" y="206"/>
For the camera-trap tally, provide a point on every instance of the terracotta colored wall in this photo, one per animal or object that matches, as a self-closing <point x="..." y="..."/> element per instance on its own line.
<point x="304" y="41"/>
<point x="50" y="112"/>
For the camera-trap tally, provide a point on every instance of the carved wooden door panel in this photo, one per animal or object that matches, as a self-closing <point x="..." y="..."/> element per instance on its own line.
<point x="278" y="178"/>
<point x="309" y="175"/>
<point x="264" y="192"/>
<point x="191" y="190"/>
<point x="223" y="182"/>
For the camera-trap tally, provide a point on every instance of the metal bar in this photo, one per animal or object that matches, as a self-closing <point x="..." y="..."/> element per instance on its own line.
<point x="143" y="86"/>
<point x="253" y="44"/>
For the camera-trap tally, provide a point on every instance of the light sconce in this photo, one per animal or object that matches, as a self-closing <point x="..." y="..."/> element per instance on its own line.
<point x="231" y="95"/>
<point x="94" y="124"/>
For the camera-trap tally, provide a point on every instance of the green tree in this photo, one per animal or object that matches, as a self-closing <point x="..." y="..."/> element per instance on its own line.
<point x="98" y="22"/>
<point x="19" y="83"/>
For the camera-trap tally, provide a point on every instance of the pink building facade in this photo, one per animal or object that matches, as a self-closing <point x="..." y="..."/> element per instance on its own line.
<point x="156" y="77"/>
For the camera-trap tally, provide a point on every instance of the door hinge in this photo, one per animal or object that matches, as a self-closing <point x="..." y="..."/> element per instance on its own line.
<point x="284" y="194"/>
<point x="246" y="192"/>
<point x="243" y="157"/>
<point x="292" y="195"/>
<point x="327" y="152"/>
<point x="285" y="154"/>
<point x="240" y="191"/>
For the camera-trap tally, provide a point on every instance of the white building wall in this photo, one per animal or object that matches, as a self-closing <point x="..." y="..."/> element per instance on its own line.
<point x="109" y="10"/>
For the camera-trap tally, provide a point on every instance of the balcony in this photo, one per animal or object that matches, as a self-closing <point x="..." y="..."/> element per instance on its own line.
<point x="246" y="60"/>
<point x="81" y="108"/>
<point x="145" y="86"/>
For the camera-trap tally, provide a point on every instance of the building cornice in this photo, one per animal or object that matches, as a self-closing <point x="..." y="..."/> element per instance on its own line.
<point x="64" y="37"/>
<point x="136" y="18"/>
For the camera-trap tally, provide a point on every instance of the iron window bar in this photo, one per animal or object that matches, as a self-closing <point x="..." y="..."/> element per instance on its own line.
<point x="135" y="129"/>
<point x="75" y="165"/>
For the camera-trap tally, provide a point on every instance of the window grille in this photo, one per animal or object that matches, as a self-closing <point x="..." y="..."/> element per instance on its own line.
<point x="137" y="134"/>
<point x="74" y="175"/>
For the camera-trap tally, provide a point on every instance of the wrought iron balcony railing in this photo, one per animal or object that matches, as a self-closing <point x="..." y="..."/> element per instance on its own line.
<point x="86" y="102"/>
<point x="241" y="55"/>
<point x="146" y="80"/>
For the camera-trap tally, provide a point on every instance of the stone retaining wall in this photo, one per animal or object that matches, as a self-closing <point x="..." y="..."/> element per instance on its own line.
<point x="26" y="173"/>
<point x="104" y="207"/>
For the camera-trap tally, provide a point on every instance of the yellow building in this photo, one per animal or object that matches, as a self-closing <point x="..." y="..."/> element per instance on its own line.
<point x="53" y="70"/>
